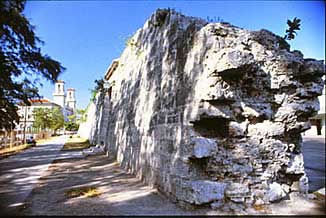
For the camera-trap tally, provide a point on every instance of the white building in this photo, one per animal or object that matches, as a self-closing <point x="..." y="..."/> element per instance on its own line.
<point x="59" y="93"/>
<point x="66" y="104"/>
<point x="318" y="124"/>
<point x="71" y="99"/>
<point x="26" y="113"/>
<point x="65" y="101"/>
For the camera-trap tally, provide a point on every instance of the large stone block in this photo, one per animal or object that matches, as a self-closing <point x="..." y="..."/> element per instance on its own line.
<point x="203" y="147"/>
<point x="237" y="190"/>
<point x="204" y="191"/>
<point x="275" y="192"/>
<point x="296" y="165"/>
<point x="266" y="129"/>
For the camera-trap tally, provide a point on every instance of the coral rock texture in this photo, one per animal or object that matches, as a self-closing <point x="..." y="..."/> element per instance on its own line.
<point x="210" y="113"/>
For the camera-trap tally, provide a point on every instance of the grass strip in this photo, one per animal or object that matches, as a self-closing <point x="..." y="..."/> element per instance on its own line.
<point x="4" y="152"/>
<point x="76" y="144"/>
<point x="87" y="191"/>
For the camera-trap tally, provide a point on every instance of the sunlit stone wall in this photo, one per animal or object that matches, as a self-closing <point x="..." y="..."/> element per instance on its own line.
<point x="211" y="114"/>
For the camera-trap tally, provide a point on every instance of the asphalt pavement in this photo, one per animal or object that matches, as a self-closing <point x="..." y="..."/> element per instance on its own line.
<point x="313" y="150"/>
<point x="19" y="173"/>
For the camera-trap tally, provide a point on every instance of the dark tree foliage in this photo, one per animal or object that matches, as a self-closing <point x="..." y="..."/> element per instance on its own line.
<point x="99" y="84"/>
<point x="71" y="126"/>
<point x="21" y="62"/>
<point x="293" y="26"/>
<point x="99" y="87"/>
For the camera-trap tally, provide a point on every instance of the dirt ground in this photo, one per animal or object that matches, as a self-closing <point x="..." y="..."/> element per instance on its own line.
<point x="121" y="193"/>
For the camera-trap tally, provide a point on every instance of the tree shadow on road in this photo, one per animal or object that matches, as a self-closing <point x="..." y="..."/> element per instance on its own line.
<point x="121" y="193"/>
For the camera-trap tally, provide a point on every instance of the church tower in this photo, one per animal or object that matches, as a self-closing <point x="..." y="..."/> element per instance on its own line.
<point x="71" y="100"/>
<point x="59" y="93"/>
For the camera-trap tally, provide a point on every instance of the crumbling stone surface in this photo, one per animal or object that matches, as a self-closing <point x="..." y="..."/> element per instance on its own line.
<point x="203" y="191"/>
<point x="204" y="147"/>
<point x="275" y="192"/>
<point x="210" y="113"/>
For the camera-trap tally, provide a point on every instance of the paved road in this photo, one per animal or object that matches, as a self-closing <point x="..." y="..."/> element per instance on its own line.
<point x="19" y="173"/>
<point x="314" y="161"/>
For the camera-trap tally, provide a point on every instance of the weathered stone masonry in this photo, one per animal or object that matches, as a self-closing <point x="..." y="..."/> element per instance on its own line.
<point x="209" y="113"/>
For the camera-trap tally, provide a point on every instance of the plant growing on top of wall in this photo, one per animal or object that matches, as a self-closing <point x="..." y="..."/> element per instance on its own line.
<point x="131" y="42"/>
<point x="293" y="26"/>
<point x="214" y="19"/>
<point x="290" y="33"/>
<point x="99" y="87"/>
<point x="160" y="17"/>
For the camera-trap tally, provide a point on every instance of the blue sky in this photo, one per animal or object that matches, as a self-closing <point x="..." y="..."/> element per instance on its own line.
<point x="86" y="35"/>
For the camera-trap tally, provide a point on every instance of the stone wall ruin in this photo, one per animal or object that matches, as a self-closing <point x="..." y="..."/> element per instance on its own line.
<point x="209" y="113"/>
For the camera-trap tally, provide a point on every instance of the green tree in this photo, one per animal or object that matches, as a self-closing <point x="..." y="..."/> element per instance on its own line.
<point x="81" y="115"/>
<point x="72" y="117"/>
<point x="293" y="26"/>
<point x="57" y="119"/>
<point x="21" y="61"/>
<point x="42" y="118"/>
<point x="45" y="118"/>
<point x="71" y="126"/>
<point x="99" y="87"/>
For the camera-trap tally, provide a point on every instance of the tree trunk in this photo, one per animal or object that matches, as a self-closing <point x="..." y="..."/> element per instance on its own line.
<point x="12" y="138"/>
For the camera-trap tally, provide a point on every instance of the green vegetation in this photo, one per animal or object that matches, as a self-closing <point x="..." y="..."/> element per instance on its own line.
<point x="86" y="191"/>
<point x="45" y="118"/>
<point x="293" y="26"/>
<point x="290" y="33"/>
<point x="214" y="19"/>
<point x="57" y="119"/>
<point x="99" y="87"/>
<point x="42" y="118"/>
<point x="71" y="126"/>
<point x="5" y="152"/>
<point x="221" y="32"/>
<point x="161" y="17"/>
<point x="76" y="144"/>
<point x="21" y="62"/>
<point x="131" y="42"/>
<point x="73" y="122"/>
<point x="82" y="115"/>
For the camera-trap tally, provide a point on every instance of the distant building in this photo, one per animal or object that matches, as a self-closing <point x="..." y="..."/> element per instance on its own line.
<point x="71" y="100"/>
<point x="65" y="101"/>
<point x="67" y="104"/>
<point x="26" y="113"/>
<point x="318" y="123"/>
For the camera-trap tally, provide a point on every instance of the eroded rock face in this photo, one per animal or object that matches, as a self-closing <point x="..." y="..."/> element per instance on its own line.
<point x="212" y="113"/>
<point x="204" y="147"/>
<point x="203" y="192"/>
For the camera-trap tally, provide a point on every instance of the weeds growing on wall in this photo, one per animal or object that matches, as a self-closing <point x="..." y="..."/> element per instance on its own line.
<point x="161" y="17"/>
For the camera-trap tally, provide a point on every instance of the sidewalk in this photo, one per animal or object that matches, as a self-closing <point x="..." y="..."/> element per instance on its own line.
<point x="313" y="150"/>
<point x="19" y="173"/>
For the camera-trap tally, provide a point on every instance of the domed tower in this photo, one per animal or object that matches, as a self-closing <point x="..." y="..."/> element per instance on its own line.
<point x="71" y="100"/>
<point x="59" y="93"/>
